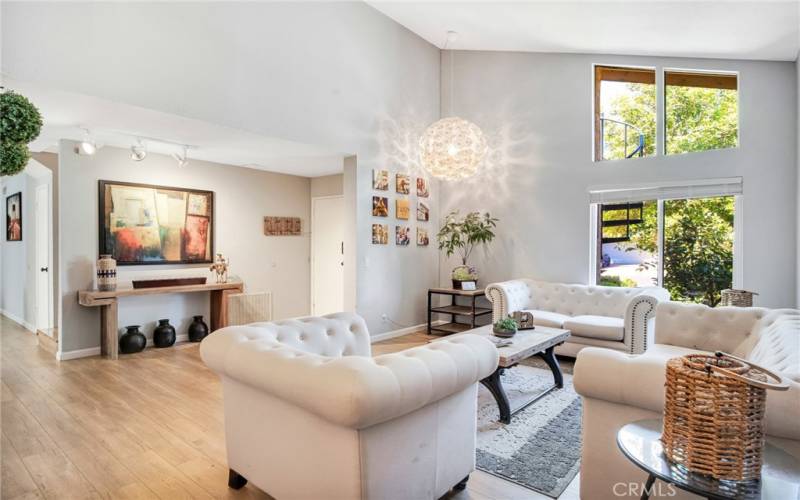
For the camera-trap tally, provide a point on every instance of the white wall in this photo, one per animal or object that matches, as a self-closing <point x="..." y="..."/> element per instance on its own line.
<point x="242" y="198"/>
<point x="335" y="74"/>
<point x="327" y="185"/>
<point x="18" y="270"/>
<point x="797" y="67"/>
<point x="537" y="111"/>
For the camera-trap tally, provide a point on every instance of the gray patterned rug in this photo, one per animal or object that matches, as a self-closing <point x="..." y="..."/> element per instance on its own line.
<point x="541" y="448"/>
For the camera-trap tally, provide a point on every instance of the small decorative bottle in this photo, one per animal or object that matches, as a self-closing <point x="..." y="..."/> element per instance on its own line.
<point x="106" y="273"/>
<point x="198" y="329"/>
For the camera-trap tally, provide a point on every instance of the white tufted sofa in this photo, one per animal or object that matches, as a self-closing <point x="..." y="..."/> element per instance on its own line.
<point x="602" y="316"/>
<point x="309" y="414"/>
<point x="770" y="338"/>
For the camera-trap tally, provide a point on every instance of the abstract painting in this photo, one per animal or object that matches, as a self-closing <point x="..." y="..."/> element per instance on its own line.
<point x="380" y="180"/>
<point x="14" y="217"/>
<point x="402" y="183"/>
<point x="422" y="187"/>
<point x="282" y="226"/>
<point x="402" y="208"/>
<point x="146" y="224"/>
<point x="380" y="234"/>
<point x="422" y="237"/>
<point x="401" y="235"/>
<point x="380" y="206"/>
<point x="423" y="211"/>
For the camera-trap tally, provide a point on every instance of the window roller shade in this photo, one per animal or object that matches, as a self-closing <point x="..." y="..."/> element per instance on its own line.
<point x="701" y="188"/>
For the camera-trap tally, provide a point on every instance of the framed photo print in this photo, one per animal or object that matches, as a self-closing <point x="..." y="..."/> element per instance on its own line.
<point x="380" y="206"/>
<point x="147" y="224"/>
<point x="402" y="209"/>
<point x="14" y="217"/>
<point x="422" y="237"/>
<point x="422" y="188"/>
<point x="380" y="234"/>
<point x="380" y="180"/>
<point x="402" y="235"/>
<point x="423" y="211"/>
<point x="402" y="183"/>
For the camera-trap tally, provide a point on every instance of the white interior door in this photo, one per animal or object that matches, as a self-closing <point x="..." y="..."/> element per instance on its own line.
<point x="44" y="294"/>
<point x="327" y="255"/>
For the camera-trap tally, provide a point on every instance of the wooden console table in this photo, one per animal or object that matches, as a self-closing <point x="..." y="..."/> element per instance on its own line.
<point x="107" y="301"/>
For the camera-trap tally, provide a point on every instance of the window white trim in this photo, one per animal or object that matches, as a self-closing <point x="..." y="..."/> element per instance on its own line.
<point x="661" y="190"/>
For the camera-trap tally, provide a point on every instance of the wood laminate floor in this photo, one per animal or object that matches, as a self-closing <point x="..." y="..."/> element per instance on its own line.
<point x="149" y="425"/>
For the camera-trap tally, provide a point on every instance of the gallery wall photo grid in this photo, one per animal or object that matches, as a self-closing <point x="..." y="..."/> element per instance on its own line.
<point x="14" y="217"/>
<point x="144" y="224"/>
<point x="406" y="186"/>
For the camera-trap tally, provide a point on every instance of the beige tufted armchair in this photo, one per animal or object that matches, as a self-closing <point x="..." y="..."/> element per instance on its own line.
<point x="309" y="414"/>
<point x="618" y="388"/>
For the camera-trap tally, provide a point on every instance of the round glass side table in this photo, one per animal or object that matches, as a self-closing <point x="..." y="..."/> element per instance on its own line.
<point x="640" y="442"/>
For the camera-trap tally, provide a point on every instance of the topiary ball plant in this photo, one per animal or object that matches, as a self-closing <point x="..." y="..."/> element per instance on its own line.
<point x="13" y="158"/>
<point x="20" y="120"/>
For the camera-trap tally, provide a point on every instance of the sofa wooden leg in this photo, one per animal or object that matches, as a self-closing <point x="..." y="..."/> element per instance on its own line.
<point x="462" y="485"/>
<point x="236" y="480"/>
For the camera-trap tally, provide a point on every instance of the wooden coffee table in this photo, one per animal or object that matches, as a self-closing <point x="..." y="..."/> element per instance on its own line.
<point x="541" y="342"/>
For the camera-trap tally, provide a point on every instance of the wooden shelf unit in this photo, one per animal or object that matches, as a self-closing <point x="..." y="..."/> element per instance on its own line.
<point x="471" y="311"/>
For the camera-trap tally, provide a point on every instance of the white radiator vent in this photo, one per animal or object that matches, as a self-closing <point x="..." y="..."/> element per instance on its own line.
<point x="246" y="308"/>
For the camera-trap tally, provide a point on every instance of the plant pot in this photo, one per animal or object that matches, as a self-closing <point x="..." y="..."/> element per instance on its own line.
<point x="132" y="341"/>
<point x="198" y="329"/>
<point x="458" y="284"/>
<point x="164" y="334"/>
<point x="500" y="332"/>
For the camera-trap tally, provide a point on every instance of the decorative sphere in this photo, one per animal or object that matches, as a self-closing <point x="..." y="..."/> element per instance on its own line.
<point x="452" y="148"/>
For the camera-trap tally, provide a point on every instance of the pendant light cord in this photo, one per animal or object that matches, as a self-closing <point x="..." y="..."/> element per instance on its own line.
<point x="448" y="36"/>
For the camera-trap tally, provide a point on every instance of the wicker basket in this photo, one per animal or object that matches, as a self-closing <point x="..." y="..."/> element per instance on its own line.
<point x="739" y="298"/>
<point x="714" y="414"/>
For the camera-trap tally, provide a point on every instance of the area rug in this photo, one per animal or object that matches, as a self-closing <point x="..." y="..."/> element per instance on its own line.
<point x="541" y="448"/>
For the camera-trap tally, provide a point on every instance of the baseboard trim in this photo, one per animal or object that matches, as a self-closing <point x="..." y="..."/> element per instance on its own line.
<point x="16" y="319"/>
<point x="403" y="331"/>
<point x="95" y="351"/>
<point x="78" y="353"/>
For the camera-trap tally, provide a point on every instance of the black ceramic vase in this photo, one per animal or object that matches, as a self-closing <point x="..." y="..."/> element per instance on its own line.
<point x="164" y="334"/>
<point x="132" y="341"/>
<point x="197" y="329"/>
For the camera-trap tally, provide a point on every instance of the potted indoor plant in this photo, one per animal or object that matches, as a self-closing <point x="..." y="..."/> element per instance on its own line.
<point x="462" y="235"/>
<point x="20" y="124"/>
<point x="506" y="327"/>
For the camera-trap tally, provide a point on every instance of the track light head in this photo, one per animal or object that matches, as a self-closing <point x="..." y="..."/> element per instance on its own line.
<point x="87" y="146"/>
<point x="138" y="151"/>
<point x="182" y="160"/>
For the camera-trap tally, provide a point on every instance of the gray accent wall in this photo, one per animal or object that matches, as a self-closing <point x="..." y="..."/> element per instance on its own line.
<point x="537" y="112"/>
<point x="242" y="197"/>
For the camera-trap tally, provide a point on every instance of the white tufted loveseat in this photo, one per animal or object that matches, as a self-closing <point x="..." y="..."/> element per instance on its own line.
<point x="602" y="316"/>
<point x="770" y="338"/>
<point x="309" y="414"/>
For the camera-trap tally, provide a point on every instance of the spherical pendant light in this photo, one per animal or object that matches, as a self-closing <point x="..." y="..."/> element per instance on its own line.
<point x="452" y="148"/>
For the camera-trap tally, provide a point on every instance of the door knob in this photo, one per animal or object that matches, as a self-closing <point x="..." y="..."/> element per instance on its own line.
<point x="44" y="269"/>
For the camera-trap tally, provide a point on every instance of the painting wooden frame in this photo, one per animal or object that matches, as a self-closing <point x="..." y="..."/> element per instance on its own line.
<point x="15" y="233"/>
<point x="195" y="230"/>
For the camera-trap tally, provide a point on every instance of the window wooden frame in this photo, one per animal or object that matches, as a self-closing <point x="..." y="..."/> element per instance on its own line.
<point x="610" y="73"/>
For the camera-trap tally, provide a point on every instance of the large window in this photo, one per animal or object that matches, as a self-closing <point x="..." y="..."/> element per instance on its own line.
<point x="702" y="111"/>
<point x="625" y="112"/>
<point x="684" y="245"/>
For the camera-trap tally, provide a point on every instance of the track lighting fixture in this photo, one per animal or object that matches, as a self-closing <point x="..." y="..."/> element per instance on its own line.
<point x="182" y="160"/>
<point x="138" y="151"/>
<point x="87" y="146"/>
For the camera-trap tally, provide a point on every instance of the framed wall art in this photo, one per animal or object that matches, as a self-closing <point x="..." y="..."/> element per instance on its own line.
<point x="422" y="237"/>
<point x="423" y="211"/>
<point x="282" y="226"/>
<point x="422" y="188"/>
<point x="402" y="183"/>
<point x="380" y="234"/>
<point x="146" y="224"/>
<point x="402" y="235"/>
<point x="14" y="217"/>
<point x="380" y="180"/>
<point x="380" y="206"/>
<point x="402" y="209"/>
